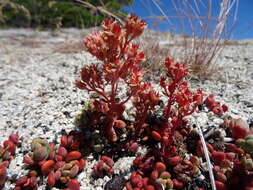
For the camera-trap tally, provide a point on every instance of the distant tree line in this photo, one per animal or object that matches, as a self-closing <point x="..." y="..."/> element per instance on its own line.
<point x="58" y="13"/>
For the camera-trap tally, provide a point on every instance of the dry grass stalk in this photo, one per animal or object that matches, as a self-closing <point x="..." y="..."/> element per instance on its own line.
<point x="205" y="150"/>
<point x="208" y="33"/>
<point x="154" y="57"/>
<point x="100" y="9"/>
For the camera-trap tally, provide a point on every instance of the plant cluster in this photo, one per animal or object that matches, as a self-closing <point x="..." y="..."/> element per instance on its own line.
<point x="7" y="151"/>
<point x="175" y="156"/>
<point x="60" y="164"/>
<point x="104" y="167"/>
<point x="170" y="162"/>
<point x="234" y="161"/>
<point x="121" y="66"/>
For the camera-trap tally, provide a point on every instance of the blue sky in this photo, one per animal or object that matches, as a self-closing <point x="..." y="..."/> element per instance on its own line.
<point x="243" y="28"/>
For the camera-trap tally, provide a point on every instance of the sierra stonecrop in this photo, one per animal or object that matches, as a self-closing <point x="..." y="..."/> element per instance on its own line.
<point x="121" y="59"/>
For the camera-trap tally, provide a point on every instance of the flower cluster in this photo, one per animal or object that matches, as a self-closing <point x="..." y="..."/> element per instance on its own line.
<point x="121" y="65"/>
<point x="178" y="92"/>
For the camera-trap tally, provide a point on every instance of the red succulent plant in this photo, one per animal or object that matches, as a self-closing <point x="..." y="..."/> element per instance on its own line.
<point x="60" y="165"/>
<point x="120" y="65"/>
<point x="104" y="167"/>
<point x="7" y="152"/>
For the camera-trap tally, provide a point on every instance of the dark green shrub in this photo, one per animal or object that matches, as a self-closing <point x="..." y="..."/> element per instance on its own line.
<point x="53" y="14"/>
<point x="13" y="14"/>
<point x="72" y="16"/>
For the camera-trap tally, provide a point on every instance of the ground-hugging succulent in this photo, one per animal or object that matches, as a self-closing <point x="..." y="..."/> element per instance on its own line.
<point x="103" y="167"/>
<point x="7" y="152"/>
<point x="60" y="164"/>
<point x="246" y="144"/>
<point x="40" y="151"/>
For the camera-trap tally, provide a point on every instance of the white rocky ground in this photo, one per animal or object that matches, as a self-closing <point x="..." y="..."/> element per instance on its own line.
<point x="38" y="97"/>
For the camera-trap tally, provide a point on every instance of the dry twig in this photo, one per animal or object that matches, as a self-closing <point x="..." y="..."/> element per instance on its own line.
<point x="207" y="32"/>
<point x="100" y="9"/>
